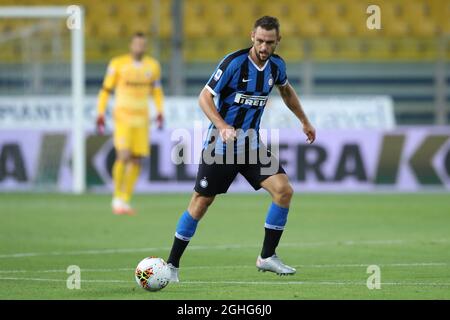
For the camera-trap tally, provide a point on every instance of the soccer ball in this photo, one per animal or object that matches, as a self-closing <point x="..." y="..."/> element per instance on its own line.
<point x="152" y="274"/>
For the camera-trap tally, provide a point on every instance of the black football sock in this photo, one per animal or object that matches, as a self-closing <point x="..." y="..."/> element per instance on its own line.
<point x="178" y="248"/>
<point x="271" y="240"/>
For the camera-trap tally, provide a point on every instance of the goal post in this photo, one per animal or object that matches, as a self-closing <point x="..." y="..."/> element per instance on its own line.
<point x="74" y="16"/>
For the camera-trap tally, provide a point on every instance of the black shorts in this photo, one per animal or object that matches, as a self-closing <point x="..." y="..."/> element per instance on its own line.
<point x="215" y="178"/>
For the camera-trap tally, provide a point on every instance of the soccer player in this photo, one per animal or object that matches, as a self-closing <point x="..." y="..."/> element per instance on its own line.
<point x="133" y="77"/>
<point x="243" y="81"/>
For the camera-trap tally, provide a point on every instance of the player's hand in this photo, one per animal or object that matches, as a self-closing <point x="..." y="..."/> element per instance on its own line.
<point x="227" y="133"/>
<point x="100" y="124"/>
<point x="160" y="121"/>
<point x="310" y="132"/>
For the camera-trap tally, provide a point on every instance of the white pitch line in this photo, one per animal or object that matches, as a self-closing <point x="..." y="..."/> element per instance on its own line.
<point x="64" y="271"/>
<point x="363" y="265"/>
<point x="217" y="247"/>
<point x="64" y="280"/>
<point x="339" y="283"/>
<point x="304" y="266"/>
<point x="328" y="283"/>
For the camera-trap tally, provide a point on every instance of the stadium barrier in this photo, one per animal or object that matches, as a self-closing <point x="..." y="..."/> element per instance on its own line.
<point x="403" y="159"/>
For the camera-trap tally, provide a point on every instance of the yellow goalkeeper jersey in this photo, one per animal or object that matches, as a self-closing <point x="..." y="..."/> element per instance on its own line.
<point x="132" y="82"/>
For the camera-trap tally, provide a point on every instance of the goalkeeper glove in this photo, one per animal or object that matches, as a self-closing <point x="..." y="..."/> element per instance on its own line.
<point x="100" y="124"/>
<point x="160" y="121"/>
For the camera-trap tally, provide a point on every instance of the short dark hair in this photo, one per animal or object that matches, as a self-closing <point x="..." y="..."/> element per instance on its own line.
<point x="268" y="23"/>
<point x="138" y="34"/>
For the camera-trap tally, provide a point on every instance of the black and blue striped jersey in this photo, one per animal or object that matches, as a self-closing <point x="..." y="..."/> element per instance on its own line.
<point x="243" y="89"/>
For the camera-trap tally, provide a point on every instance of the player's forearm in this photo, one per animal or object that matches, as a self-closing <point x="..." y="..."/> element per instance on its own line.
<point x="102" y="103"/>
<point x="158" y="97"/>
<point x="206" y="102"/>
<point x="292" y="101"/>
<point x="296" y="108"/>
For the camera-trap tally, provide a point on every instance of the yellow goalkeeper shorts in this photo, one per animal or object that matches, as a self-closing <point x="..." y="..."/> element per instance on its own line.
<point x="133" y="139"/>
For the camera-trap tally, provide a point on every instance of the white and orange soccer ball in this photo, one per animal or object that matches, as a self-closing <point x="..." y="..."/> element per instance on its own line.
<point x="152" y="274"/>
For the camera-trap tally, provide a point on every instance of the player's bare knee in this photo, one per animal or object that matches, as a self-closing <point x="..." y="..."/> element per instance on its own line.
<point x="124" y="156"/>
<point x="199" y="205"/>
<point x="204" y="202"/>
<point x="135" y="160"/>
<point x="283" y="194"/>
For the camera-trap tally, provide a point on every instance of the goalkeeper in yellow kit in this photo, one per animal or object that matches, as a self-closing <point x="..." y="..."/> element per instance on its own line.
<point x="133" y="77"/>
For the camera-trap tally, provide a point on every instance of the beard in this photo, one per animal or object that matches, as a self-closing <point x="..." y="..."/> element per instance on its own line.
<point x="258" y="54"/>
<point x="138" y="56"/>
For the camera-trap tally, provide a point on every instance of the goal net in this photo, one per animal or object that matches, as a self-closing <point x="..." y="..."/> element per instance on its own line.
<point x="41" y="98"/>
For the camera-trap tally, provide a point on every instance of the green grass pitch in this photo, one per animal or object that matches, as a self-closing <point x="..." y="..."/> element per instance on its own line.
<point x="330" y="238"/>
